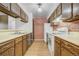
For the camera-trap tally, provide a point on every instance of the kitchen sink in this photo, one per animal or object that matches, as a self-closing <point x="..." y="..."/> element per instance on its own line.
<point x="17" y="33"/>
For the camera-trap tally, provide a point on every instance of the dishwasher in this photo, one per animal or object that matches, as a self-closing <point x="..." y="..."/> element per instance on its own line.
<point x="50" y="41"/>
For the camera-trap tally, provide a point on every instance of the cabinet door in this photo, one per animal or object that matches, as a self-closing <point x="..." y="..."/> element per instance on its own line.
<point x="59" y="10"/>
<point x="65" y="52"/>
<point x="75" y="9"/>
<point x="23" y="15"/>
<point x="52" y="17"/>
<point x="57" y="46"/>
<point x="57" y="49"/>
<point x="7" y="48"/>
<point x="11" y="51"/>
<point x="66" y="11"/>
<point x="15" y="8"/>
<point x="6" y="5"/>
<point x="25" y="46"/>
<point x="8" y="52"/>
<point x="18" y="49"/>
<point x="54" y="14"/>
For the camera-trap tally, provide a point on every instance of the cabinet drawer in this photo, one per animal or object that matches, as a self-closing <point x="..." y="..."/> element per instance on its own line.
<point x="71" y="47"/>
<point x="18" y="39"/>
<point x="6" y="45"/>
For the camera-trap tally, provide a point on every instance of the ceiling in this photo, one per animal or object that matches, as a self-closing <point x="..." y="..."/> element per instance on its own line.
<point x="47" y="8"/>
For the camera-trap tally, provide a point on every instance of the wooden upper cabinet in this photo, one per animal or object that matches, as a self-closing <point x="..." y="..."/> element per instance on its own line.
<point x="23" y="16"/>
<point x="59" y="10"/>
<point x="66" y="11"/>
<point x="6" y="5"/>
<point x="15" y="8"/>
<point x="76" y="10"/>
<point x="25" y="44"/>
<point x="6" y="8"/>
<point x="55" y="15"/>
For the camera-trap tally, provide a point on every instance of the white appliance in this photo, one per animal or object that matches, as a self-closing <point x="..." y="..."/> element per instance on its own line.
<point x="47" y="37"/>
<point x="47" y="29"/>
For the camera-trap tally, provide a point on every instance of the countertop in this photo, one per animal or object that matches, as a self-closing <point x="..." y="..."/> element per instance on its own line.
<point x="5" y="36"/>
<point x="72" y="37"/>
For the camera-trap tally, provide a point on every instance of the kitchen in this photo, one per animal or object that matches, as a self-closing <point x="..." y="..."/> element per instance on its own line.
<point x="39" y="29"/>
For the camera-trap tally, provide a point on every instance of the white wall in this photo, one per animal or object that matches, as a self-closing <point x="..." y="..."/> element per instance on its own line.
<point x="11" y="23"/>
<point x="25" y="26"/>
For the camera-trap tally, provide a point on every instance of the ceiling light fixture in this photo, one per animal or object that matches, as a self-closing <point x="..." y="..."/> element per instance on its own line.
<point x="39" y="7"/>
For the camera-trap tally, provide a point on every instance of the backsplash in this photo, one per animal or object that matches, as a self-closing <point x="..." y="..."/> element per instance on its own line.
<point x="72" y="26"/>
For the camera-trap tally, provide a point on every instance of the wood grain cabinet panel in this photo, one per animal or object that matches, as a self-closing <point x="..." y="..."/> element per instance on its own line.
<point x="18" y="46"/>
<point x="7" y="48"/>
<point x="15" y="8"/>
<point x="59" y="10"/>
<point x="57" y="46"/>
<point x="65" y="48"/>
<point x="23" y="16"/>
<point x="9" y="52"/>
<point x="18" y="49"/>
<point x="25" y="46"/>
<point x="66" y="11"/>
<point x="6" y="5"/>
<point x="76" y="10"/>
<point x="70" y="47"/>
<point x="65" y="52"/>
<point x="6" y="8"/>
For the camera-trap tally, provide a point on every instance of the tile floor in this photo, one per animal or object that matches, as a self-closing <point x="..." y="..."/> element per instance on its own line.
<point x="38" y="48"/>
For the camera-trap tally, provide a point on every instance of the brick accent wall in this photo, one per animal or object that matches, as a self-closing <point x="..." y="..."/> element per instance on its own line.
<point x="39" y="27"/>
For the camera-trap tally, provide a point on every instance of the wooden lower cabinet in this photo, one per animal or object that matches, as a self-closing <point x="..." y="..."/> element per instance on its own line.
<point x="57" y="50"/>
<point x="15" y="47"/>
<point x="65" y="52"/>
<point x="18" y="49"/>
<point x="25" y="44"/>
<point x="7" y="48"/>
<point x="18" y="46"/>
<point x="65" y="48"/>
<point x="57" y="47"/>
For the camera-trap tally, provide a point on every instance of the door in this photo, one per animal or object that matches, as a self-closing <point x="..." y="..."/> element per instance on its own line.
<point x="38" y="28"/>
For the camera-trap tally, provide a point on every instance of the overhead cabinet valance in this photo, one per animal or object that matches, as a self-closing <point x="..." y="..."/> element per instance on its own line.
<point x="14" y="10"/>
